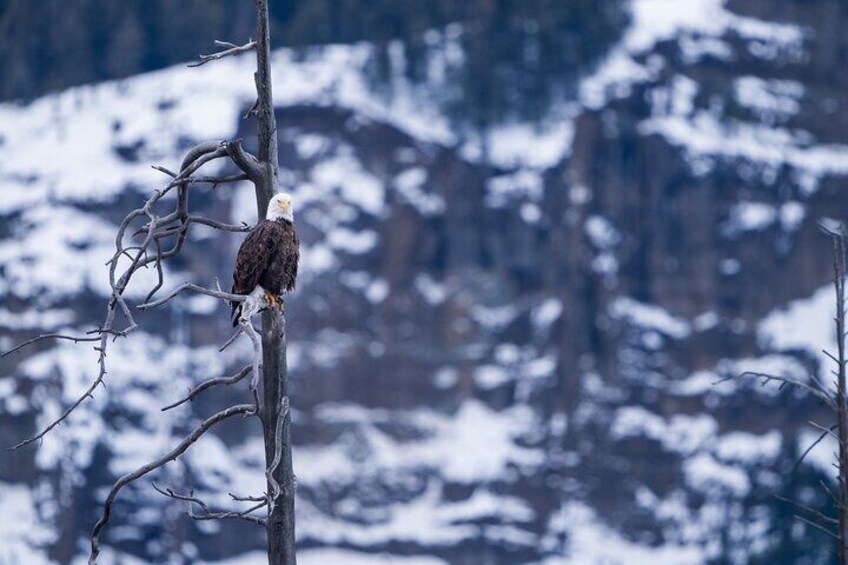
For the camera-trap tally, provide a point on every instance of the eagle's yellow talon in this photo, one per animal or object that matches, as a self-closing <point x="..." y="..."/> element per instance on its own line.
<point x="274" y="302"/>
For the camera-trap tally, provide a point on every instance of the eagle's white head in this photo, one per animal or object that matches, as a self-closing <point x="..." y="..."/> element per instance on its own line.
<point x="280" y="207"/>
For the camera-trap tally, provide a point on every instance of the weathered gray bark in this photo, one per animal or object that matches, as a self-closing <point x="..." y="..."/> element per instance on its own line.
<point x="280" y="521"/>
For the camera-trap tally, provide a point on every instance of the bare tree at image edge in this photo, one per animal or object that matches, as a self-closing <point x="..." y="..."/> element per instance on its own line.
<point x="834" y="397"/>
<point x="157" y="238"/>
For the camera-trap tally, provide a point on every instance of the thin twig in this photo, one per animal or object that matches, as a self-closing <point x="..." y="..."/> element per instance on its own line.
<point x="230" y="341"/>
<point x="824" y="434"/>
<point x="74" y="338"/>
<point x="821" y="395"/>
<point x="805" y="508"/>
<point x="817" y="526"/>
<point x="231" y="50"/>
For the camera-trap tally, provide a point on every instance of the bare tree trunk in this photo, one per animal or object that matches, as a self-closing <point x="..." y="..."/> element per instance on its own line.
<point x="842" y="408"/>
<point x="276" y="419"/>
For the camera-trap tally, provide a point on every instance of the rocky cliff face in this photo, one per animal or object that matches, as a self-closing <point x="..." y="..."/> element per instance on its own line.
<point x="503" y="346"/>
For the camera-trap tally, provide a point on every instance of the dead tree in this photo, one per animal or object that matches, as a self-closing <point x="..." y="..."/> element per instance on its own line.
<point x="833" y="396"/>
<point x="159" y="237"/>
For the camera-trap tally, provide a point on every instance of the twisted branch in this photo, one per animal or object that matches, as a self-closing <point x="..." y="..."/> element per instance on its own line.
<point x="232" y="379"/>
<point x="245" y="409"/>
<point x="278" y="452"/>
<point x="139" y="257"/>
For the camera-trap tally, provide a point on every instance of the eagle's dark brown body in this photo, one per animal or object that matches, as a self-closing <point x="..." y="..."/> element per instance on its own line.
<point x="268" y="257"/>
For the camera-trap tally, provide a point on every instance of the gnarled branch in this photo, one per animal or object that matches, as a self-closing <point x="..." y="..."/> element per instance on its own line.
<point x="206" y="425"/>
<point x="216" y="515"/>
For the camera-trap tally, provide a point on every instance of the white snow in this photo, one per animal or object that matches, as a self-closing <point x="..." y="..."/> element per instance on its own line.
<point x="769" y="148"/>
<point x="344" y="175"/>
<point x="601" y="232"/>
<point x="491" y="376"/>
<point x="679" y="434"/>
<point x="377" y="291"/>
<point x="332" y="555"/>
<point x="773" y="100"/>
<point x="475" y="443"/>
<point x="546" y="313"/>
<point x="707" y="475"/>
<point x="592" y="541"/>
<point x="36" y="319"/>
<point x="60" y="252"/>
<point x="446" y="378"/>
<point x="494" y="318"/>
<point x="23" y="534"/>
<point x="805" y="324"/>
<point x="523" y="184"/>
<point x="533" y="146"/>
<point x="748" y="448"/>
<point x="650" y="316"/>
<point x="433" y="292"/>
<point x="353" y="242"/>
<point x="752" y="216"/>
<point x="757" y="216"/>
<point x="700" y="25"/>
<point x="410" y="185"/>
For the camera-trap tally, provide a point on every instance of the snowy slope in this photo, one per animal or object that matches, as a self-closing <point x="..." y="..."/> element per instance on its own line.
<point x="448" y="406"/>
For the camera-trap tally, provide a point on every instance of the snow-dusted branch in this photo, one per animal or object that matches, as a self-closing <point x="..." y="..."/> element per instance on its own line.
<point x="206" y="425"/>
<point x="230" y="50"/>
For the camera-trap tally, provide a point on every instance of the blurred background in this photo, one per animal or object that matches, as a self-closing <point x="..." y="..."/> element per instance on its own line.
<point x="535" y="234"/>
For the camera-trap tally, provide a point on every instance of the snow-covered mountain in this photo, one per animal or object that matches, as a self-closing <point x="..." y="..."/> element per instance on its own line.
<point x="502" y="346"/>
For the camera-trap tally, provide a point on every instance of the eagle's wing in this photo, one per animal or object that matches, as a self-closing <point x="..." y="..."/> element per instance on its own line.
<point x="289" y="254"/>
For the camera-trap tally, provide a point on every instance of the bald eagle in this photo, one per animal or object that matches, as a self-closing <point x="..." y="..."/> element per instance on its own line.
<point x="266" y="265"/>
